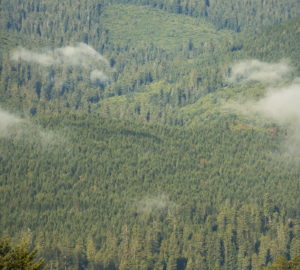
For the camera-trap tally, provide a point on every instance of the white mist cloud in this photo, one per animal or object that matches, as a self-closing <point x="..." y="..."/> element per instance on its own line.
<point x="282" y="105"/>
<point x="255" y="70"/>
<point x="157" y="203"/>
<point x="79" y="55"/>
<point x="98" y="75"/>
<point x="7" y="120"/>
<point x="24" y="130"/>
<point x="32" y="57"/>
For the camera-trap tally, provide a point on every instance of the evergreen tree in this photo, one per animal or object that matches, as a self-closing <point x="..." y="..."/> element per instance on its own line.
<point x="18" y="257"/>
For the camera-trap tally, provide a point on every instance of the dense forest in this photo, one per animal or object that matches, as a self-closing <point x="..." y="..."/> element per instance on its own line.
<point x="151" y="134"/>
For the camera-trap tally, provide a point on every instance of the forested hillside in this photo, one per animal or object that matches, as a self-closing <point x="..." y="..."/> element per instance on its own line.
<point x="151" y="134"/>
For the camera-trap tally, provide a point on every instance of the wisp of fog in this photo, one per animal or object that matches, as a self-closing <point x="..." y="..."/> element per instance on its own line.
<point x="255" y="70"/>
<point x="157" y="203"/>
<point x="7" y="120"/>
<point x="281" y="104"/>
<point x="98" y="75"/>
<point x="81" y="55"/>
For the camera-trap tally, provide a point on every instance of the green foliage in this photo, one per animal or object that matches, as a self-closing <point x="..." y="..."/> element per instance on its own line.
<point x="18" y="257"/>
<point x="283" y="264"/>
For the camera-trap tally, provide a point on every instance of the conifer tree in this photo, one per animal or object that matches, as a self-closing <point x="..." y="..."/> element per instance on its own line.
<point x="18" y="257"/>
